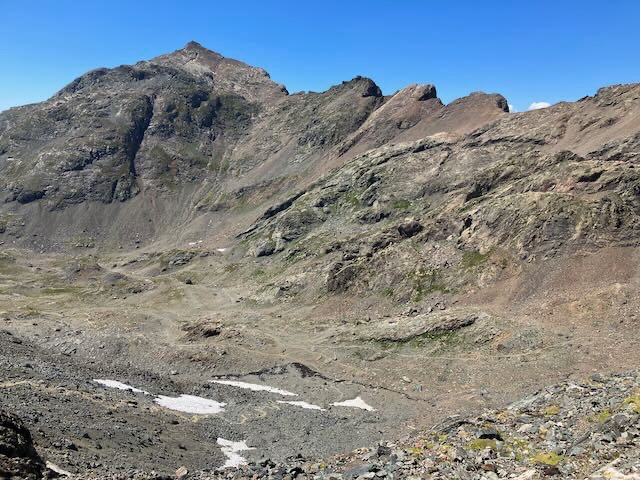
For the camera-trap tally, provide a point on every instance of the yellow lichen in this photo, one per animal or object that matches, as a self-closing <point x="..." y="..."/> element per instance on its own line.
<point x="634" y="402"/>
<point x="550" y="458"/>
<point x="603" y="416"/>
<point x="551" y="410"/>
<point x="481" y="444"/>
<point x="415" y="451"/>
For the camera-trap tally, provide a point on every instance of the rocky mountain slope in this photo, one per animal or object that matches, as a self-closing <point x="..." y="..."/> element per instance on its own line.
<point x="533" y="185"/>
<point x="188" y="134"/>
<point x="175" y="230"/>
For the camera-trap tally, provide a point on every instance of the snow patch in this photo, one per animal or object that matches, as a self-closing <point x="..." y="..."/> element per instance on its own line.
<point x="190" y="404"/>
<point x="120" y="386"/>
<point x="255" y="387"/>
<point x="230" y="450"/>
<point x="306" y="405"/>
<point x="357" y="403"/>
<point x="222" y="250"/>
<point x="54" y="468"/>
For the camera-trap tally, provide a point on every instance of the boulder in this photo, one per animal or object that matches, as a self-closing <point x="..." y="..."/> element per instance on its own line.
<point x="18" y="456"/>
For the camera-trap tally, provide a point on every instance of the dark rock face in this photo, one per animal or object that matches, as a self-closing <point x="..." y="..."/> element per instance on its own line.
<point x="18" y="457"/>
<point x="163" y="123"/>
<point x="340" y="276"/>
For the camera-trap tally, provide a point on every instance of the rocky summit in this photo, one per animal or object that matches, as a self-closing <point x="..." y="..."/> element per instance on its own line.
<point x="203" y="275"/>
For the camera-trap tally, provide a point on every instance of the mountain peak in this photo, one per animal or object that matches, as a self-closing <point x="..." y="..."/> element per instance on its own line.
<point x="197" y="49"/>
<point x="193" y="45"/>
<point x="227" y="74"/>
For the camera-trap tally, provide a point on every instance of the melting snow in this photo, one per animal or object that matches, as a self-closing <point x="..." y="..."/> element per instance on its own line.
<point x="255" y="387"/>
<point x="58" y="470"/>
<point x="120" y="386"/>
<point x="230" y="450"/>
<point x="306" y="405"/>
<point x="190" y="404"/>
<point x="357" y="403"/>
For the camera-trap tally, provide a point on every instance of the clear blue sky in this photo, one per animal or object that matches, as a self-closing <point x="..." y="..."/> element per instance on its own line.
<point x="528" y="50"/>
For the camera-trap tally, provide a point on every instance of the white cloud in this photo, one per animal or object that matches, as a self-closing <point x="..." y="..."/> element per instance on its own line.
<point x="512" y="109"/>
<point x="539" y="105"/>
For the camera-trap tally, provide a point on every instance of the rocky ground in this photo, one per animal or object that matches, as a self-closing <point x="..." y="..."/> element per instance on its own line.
<point x="573" y="430"/>
<point x="167" y="328"/>
<point x="586" y="430"/>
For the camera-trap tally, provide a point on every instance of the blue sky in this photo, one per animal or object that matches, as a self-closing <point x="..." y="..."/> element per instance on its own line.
<point x="528" y="50"/>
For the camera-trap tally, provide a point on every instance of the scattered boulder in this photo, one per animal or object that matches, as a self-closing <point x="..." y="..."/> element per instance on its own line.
<point x="205" y="328"/>
<point x="409" y="228"/>
<point x="181" y="473"/>
<point x="404" y="329"/>
<point x="264" y="248"/>
<point x="18" y="456"/>
<point x="180" y="258"/>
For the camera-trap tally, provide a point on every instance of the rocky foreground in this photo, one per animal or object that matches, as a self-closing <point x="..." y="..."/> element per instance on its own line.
<point x="587" y="430"/>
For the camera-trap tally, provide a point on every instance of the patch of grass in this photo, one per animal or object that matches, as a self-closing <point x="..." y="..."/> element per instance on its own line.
<point x="353" y="199"/>
<point x="388" y="292"/>
<point x="59" y="290"/>
<point x="387" y="345"/>
<point x="8" y="264"/>
<point x="550" y="458"/>
<point x="426" y="281"/>
<point x="401" y="204"/>
<point x="510" y="447"/>
<point x="231" y="267"/>
<point x="473" y="258"/>
<point x="516" y="447"/>
<point x="416" y="451"/>
<point x="6" y="220"/>
<point x="445" y="338"/>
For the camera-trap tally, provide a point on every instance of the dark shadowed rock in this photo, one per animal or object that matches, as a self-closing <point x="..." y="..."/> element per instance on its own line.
<point x="18" y="456"/>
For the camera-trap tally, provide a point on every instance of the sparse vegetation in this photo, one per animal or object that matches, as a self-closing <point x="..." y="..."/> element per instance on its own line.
<point x="471" y="259"/>
<point x="426" y="281"/>
<point x="353" y="199"/>
<point x="231" y="267"/>
<point x="401" y="204"/>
